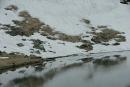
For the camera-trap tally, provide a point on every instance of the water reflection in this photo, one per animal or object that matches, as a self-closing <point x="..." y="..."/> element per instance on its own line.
<point x="85" y="75"/>
<point x="31" y="81"/>
<point x="38" y="81"/>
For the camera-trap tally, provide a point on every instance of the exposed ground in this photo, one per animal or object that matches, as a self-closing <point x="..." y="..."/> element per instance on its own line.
<point x="14" y="60"/>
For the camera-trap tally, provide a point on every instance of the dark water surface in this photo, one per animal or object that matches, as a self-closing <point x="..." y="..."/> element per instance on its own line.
<point x="75" y="75"/>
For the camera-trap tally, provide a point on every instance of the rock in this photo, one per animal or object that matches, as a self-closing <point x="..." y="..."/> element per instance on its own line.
<point x="23" y="39"/>
<point x="12" y="8"/>
<point x="115" y="44"/>
<point x="87" y="59"/>
<point x="86" y="21"/>
<point x="20" y="44"/>
<point x="22" y="71"/>
<point x="106" y="44"/>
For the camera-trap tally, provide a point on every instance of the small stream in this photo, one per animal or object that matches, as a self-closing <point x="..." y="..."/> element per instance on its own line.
<point x="76" y="74"/>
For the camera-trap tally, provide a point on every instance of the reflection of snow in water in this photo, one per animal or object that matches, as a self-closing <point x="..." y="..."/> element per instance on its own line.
<point x="78" y="74"/>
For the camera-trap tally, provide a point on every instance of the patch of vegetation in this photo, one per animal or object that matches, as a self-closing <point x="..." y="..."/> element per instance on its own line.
<point x="47" y="30"/>
<point x="106" y="35"/>
<point x="38" y="44"/>
<point x="120" y="38"/>
<point x="87" y="46"/>
<point x="25" y="27"/>
<point x="30" y="25"/>
<point x="69" y="38"/>
<point x="50" y="33"/>
<point x="24" y="14"/>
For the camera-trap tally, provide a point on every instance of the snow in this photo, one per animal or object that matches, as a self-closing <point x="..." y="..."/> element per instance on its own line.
<point x="10" y="42"/>
<point x="66" y="16"/>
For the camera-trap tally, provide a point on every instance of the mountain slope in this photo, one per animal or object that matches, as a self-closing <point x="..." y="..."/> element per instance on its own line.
<point x="65" y="16"/>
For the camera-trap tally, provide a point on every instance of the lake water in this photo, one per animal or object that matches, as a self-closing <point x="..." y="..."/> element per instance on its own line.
<point x="75" y="75"/>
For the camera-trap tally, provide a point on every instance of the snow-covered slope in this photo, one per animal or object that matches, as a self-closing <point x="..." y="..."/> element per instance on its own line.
<point x="66" y="16"/>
